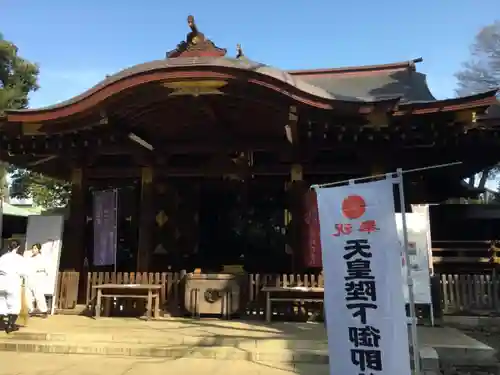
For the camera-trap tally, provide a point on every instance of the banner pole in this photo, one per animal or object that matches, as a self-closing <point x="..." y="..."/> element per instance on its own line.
<point x="409" y="279"/>
<point x="366" y="178"/>
<point x="115" y="240"/>
<point x="430" y="263"/>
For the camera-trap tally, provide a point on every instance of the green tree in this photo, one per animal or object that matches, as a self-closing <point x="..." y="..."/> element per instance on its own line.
<point x="481" y="73"/>
<point x="46" y="192"/>
<point x="18" y="78"/>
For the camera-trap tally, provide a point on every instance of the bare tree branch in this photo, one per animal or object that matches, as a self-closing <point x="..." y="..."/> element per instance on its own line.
<point x="482" y="71"/>
<point x="479" y="74"/>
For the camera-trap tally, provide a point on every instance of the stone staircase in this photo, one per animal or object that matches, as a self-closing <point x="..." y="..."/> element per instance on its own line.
<point x="167" y="339"/>
<point x="290" y="344"/>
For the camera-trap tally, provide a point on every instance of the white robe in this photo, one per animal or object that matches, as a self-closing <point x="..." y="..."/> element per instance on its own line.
<point x="12" y="267"/>
<point x="36" y="282"/>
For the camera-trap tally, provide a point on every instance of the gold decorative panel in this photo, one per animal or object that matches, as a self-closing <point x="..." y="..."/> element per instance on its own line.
<point x="32" y="128"/>
<point x="196" y="88"/>
<point x="161" y="218"/>
<point x="176" y="234"/>
<point x="146" y="175"/>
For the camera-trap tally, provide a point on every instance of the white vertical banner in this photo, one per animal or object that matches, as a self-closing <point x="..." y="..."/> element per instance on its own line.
<point x="364" y="302"/>
<point x="419" y="249"/>
<point x="424" y="211"/>
<point x="47" y="231"/>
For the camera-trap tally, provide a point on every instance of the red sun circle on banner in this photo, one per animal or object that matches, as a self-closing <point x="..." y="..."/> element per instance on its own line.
<point x="353" y="207"/>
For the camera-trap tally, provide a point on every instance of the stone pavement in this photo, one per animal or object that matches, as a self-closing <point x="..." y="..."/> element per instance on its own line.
<point x="181" y="342"/>
<point x="171" y="339"/>
<point x="54" y="364"/>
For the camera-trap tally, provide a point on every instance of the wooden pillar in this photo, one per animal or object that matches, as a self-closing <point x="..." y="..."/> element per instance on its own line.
<point x="74" y="243"/>
<point x="293" y="217"/>
<point x="75" y="239"/>
<point x="146" y="219"/>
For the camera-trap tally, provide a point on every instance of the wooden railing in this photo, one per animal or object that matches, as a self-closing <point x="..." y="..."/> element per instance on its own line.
<point x="472" y="293"/>
<point x="465" y="257"/>
<point x="170" y="294"/>
<point x="67" y="290"/>
<point x="254" y="299"/>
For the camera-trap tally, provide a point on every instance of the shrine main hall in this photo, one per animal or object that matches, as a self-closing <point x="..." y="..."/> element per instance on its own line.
<point x="212" y="156"/>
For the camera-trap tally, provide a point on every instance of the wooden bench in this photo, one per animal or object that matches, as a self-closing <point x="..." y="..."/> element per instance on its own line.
<point x="291" y="294"/>
<point x="142" y="291"/>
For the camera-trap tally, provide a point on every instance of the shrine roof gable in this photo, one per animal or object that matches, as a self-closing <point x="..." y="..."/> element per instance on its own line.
<point x="372" y="82"/>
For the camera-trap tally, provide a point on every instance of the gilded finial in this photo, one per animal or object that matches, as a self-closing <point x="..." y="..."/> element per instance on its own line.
<point x="195" y="44"/>
<point x="194" y="37"/>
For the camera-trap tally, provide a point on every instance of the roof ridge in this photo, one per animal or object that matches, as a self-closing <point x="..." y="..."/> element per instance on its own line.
<point x="409" y="64"/>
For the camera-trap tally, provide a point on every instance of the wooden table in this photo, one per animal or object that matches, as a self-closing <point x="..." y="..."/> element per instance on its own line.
<point x="143" y="291"/>
<point x="291" y="294"/>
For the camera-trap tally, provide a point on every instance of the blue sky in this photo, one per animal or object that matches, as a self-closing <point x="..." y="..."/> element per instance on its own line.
<point x="77" y="43"/>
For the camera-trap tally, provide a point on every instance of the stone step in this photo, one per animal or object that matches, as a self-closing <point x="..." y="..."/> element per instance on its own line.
<point x="77" y="310"/>
<point x="164" y="351"/>
<point x="162" y="339"/>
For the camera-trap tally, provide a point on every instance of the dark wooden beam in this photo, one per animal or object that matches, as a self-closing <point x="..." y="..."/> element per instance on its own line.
<point x="329" y="133"/>
<point x="118" y="172"/>
<point x="146" y="219"/>
<point x="75" y="239"/>
<point x="401" y="139"/>
<point x="62" y="144"/>
<point x="212" y="145"/>
<point x="140" y="155"/>
<point x="283" y="170"/>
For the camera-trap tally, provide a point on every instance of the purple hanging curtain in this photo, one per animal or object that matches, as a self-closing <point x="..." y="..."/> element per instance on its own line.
<point x="105" y="225"/>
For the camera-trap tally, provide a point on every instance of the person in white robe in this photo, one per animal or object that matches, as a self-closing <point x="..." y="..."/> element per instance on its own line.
<point x="13" y="268"/>
<point x="36" y="280"/>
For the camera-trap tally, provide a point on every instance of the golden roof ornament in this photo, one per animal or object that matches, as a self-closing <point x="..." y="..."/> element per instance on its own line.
<point x="194" y="36"/>
<point x="195" y="45"/>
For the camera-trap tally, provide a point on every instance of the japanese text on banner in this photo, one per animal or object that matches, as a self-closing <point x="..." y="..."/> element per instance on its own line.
<point x="360" y="285"/>
<point x="364" y="303"/>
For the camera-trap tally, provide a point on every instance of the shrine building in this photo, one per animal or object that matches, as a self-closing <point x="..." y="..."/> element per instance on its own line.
<point x="212" y="154"/>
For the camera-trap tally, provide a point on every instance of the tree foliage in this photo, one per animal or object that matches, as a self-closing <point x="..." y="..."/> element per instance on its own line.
<point x="46" y="192"/>
<point x="481" y="73"/>
<point x="18" y="78"/>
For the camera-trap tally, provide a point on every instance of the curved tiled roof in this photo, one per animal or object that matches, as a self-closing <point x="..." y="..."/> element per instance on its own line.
<point x="396" y="86"/>
<point x="410" y="86"/>
<point x="372" y="82"/>
<point x="204" y="62"/>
